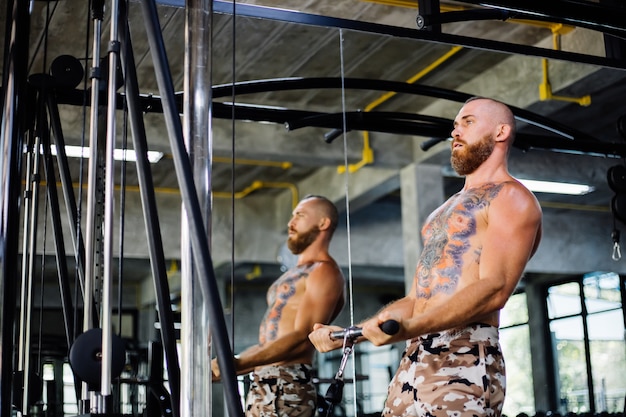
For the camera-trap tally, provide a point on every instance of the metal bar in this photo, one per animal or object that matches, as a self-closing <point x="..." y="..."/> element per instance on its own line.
<point x="90" y="225"/>
<point x="599" y="17"/>
<point x="196" y="335"/>
<point x="424" y="20"/>
<point x="68" y="190"/>
<point x="151" y="218"/>
<point x="249" y="10"/>
<point x="250" y="87"/>
<point x="573" y="140"/>
<point x="28" y="224"/>
<point x="11" y="142"/>
<point x="598" y="14"/>
<point x="430" y="8"/>
<point x="200" y="245"/>
<point x="109" y="209"/>
<point x="59" y="244"/>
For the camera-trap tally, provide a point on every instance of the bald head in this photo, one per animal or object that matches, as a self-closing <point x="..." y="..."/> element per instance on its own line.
<point x="496" y="111"/>
<point x="326" y="208"/>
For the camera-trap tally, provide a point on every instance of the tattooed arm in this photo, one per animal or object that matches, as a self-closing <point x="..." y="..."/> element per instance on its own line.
<point x="320" y="336"/>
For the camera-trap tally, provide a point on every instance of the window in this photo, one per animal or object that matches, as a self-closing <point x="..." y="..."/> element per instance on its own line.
<point x="606" y="340"/>
<point x="515" y="343"/>
<point x="587" y="328"/>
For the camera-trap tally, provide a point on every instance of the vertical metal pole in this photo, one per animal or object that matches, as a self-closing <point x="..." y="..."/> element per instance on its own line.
<point x="68" y="191"/>
<point x="148" y="199"/>
<point x="16" y="41"/>
<point x="109" y="194"/>
<point x="27" y="195"/>
<point x="195" y="332"/>
<point x="197" y="230"/>
<point x="27" y="297"/>
<point x="90" y="226"/>
<point x="59" y="244"/>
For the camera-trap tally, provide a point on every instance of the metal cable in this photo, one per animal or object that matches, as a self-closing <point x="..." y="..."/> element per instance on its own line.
<point x="347" y="197"/>
<point x="232" y="181"/>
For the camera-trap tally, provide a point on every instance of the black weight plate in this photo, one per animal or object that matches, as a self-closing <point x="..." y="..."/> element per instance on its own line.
<point x="86" y="356"/>
<point x="616" y="177"/>
<point x="67" y="71"/>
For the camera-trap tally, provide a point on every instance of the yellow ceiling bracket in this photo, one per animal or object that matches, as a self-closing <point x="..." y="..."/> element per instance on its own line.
<point x="367" y="154"/>
<point x="545" y="89"/>
<point x="173" y="269"/>
<point x="254" y="273"/>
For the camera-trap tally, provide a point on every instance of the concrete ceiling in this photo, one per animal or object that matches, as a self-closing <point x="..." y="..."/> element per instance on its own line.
<point x="373" y="47"/>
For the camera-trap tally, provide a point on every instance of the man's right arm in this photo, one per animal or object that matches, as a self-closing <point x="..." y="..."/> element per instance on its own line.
<point x="397" y="310"/>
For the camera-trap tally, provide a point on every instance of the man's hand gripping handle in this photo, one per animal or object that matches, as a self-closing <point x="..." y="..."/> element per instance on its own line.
<point x="390" y="327"/>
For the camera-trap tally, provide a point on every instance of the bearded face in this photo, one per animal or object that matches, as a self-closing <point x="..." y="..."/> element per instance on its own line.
<point x="468" y="158"/>
<point x="300" y="241"/>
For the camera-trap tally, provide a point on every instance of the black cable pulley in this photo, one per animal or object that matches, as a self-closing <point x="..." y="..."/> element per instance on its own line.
<point x="86" y="357"/>
<point x="67" y="72"/>
<point x="616" y="177"/>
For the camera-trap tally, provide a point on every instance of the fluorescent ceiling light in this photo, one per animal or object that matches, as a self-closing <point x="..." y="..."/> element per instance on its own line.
<point x="118" y="154"/>
<point x="538" y="186"/>
<point x="557" y="187"/>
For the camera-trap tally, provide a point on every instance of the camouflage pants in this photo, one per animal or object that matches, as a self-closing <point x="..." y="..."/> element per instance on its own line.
<point x="455" y="373"/>
<point x="281" y="391"/>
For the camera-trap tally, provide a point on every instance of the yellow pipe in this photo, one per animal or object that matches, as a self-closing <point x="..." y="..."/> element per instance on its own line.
<point x="242" y="161"/>
<point x="239" y="161"/>
<point x="545" y="89"/>
<point x="557" y="29"/>
<point x="131" y="188"/>
<point x="219" y="194"/>
<point x="239" y="194"/>
<point x="256" y="185"/>
<point x="367" y="154"/>
<point x="413" y="4"/>
<point x="291" y="187"/>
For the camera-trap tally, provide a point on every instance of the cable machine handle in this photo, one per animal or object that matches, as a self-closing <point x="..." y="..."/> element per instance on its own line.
<point x="390" y="327"/>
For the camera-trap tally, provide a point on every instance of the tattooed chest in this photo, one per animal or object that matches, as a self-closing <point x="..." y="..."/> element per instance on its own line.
<point x="278" y="297"/>
<point x="282" y="290"/>
<point x="450" y="235"/>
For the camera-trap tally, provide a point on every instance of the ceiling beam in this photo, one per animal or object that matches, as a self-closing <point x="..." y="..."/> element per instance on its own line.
<point x="568" y="139"/>
<point x="594" y="16"/>
<point x="249" y="10"/>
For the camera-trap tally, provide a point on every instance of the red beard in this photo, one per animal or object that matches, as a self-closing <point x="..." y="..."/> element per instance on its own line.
<point x="300" y="241"/>
<point x="468" y="158"/>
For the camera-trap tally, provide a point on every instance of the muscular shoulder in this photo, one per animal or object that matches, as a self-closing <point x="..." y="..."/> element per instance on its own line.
<point x="326" y="271"/>
<point x="514" y="199"/>
<point x="507" y="203"/>
<point x="516" y="211"/>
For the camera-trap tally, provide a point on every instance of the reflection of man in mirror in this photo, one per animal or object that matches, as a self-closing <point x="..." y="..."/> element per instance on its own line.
<point x="475" y="249"/>
<point x="311" y="292"/>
